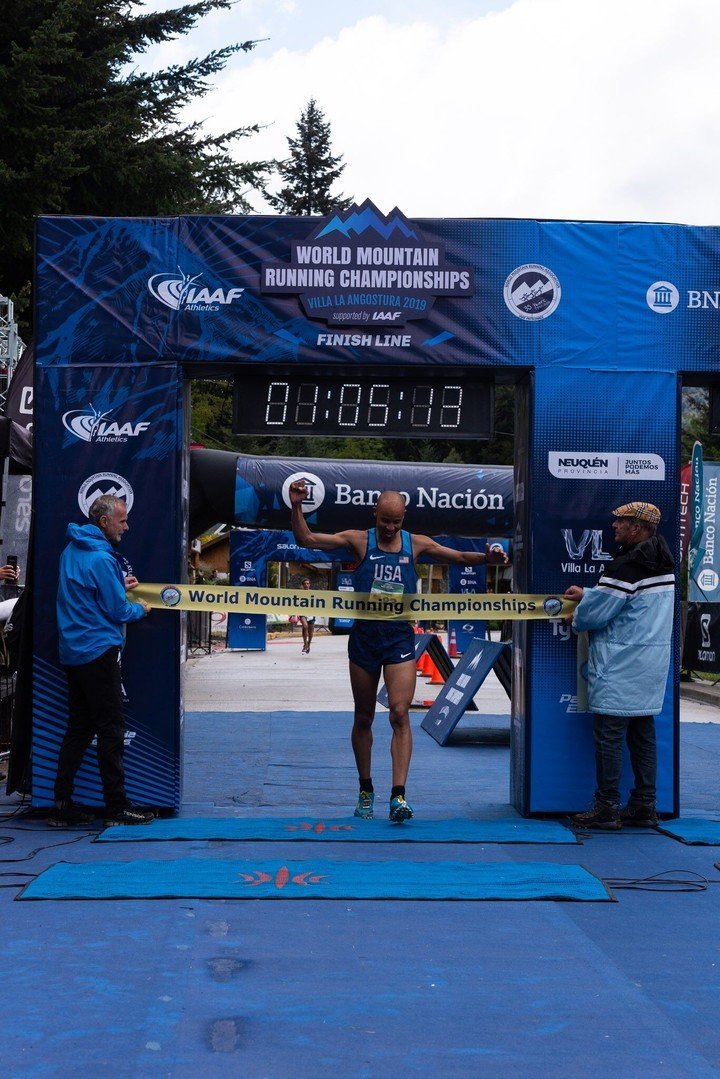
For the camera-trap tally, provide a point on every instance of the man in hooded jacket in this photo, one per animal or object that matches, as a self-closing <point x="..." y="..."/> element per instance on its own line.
<point x="92" y="612"/>
<point x="629" y="619"/>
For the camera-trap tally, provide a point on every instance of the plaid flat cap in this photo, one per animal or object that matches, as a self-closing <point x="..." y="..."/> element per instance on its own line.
<point x="640" y="511"/>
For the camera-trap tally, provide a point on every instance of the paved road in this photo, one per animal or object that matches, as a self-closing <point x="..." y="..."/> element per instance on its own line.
<point x="283" y="678"/>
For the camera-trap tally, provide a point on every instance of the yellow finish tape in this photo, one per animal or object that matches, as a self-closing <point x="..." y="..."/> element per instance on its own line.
<point x="252" y="599"/>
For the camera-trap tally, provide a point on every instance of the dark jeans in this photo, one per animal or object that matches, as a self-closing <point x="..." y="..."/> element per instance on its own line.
<point x="95" y="708"/>
<point x="609" y="732"/>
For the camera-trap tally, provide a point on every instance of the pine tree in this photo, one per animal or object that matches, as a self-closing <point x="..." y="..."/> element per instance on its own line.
<point x="310" y="170"/>
<point x="82" y="133"/>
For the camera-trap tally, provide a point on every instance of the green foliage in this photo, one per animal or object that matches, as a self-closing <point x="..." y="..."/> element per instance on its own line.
<point x="311" y="169"/>
<point x="696" y="424"/>
<point x="84" y="134"/>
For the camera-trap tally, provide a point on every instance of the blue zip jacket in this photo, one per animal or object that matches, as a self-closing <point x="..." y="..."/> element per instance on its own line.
<point x="629" y="616"/>
<point x="92" y="607"/>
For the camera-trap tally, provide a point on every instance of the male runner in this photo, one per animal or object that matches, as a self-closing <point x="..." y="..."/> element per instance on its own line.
<point x="386" y="557"/>
<point x="307" y="625"/>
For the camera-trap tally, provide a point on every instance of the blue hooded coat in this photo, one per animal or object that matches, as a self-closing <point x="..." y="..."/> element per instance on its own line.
<point x="92" y="607"/>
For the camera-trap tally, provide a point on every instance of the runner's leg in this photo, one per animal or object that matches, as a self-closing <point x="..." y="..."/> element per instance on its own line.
<point x="364" y="689"/>
<point x="400" y="681"/>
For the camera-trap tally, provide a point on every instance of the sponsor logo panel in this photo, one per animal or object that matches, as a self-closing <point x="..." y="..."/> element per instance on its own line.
<point x="581" y="465"/>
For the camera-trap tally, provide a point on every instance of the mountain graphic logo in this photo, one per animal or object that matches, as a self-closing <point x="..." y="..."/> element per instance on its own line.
<point x="360" y="219"/>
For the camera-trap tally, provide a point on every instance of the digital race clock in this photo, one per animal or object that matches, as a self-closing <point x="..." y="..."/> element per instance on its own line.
<point x="388" y="402"/>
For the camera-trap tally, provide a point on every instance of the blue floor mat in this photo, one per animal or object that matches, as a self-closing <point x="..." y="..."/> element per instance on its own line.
<point x="693" y="830"/>
<point x="344" y="830"/>
<point x="193" y="878"/>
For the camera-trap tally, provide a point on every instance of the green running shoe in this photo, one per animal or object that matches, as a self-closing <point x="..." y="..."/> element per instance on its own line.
<point x="399" y="809"/>
<point x="364" y="808"/>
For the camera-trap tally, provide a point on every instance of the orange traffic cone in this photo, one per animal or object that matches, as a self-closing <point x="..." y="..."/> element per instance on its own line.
<point x="452" y="647"/>
<point x="426" y="665"/>
<point x="437" y="679"/>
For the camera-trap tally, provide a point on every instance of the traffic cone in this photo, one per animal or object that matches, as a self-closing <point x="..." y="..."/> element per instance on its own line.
<point x="452" y="647"/>
<point x="426" y="665"/>
<point x="437" y="679"/>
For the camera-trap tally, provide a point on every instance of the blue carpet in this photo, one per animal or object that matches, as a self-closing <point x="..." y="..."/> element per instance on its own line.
<point x="344" y="830"/>
<point x="192" y="878"/>
<point x="693" y="830"/>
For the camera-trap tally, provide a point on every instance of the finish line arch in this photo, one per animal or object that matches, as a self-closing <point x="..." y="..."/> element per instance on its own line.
<point x="596" y="323"/>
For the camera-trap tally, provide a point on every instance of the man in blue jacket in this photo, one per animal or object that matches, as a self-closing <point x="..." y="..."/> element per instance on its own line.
<point x="629" y="619"/>
<point x="92" y="612"/>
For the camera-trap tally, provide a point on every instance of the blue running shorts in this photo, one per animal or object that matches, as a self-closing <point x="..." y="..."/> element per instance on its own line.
<point x="372" y="645"/>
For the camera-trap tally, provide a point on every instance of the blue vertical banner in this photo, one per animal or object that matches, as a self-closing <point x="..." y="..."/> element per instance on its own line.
<point x="344" y="582"/>
<point x="246" y="632"/>
<point x="465" y="580"/>
<point x="583" y="465"/>
<point x="99" y="431"/>
<point x="696" y="548"/>
<point x="704" y="584"/>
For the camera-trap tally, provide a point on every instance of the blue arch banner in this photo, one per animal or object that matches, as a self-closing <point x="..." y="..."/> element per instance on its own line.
<point x="596" y="323"/>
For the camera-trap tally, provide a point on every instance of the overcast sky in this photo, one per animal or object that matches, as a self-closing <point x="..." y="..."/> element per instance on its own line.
<point x="571" y="109"/>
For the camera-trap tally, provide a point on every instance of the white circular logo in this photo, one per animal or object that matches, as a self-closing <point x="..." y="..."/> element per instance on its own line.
<point x="315" y="488"/>
<point x="707" y="579"/>
<point x="532" y="291"/>
<point x="170" y="596"/>
<point x="662" y="297"/>
<point x="552" y="606"/>
<point x="104" y="483"/>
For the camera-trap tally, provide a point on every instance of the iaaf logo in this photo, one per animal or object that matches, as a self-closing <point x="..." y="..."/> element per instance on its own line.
<point x="180" y="292"/>
<point x="92" y="426"/>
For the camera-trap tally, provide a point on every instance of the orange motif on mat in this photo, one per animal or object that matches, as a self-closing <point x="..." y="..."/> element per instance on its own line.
<point x="281" y="878"/>
<point x="319" y="827"/>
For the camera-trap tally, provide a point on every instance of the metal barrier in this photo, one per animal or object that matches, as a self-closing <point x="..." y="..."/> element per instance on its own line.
<point x="199" y="630"/>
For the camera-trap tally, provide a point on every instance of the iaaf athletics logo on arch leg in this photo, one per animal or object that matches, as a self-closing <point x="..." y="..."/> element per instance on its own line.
<point x="90" y="425"/>
<point x="181" y="292"/>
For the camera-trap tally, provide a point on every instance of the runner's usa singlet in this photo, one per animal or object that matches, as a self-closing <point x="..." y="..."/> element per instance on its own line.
<point x="375" y="643"/>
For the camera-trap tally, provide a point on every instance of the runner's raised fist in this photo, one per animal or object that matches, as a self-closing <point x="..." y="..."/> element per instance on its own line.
<point x="298" y="492"/>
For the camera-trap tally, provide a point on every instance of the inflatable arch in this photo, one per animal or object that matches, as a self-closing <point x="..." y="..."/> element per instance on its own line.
<point x="597" y="324"/>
